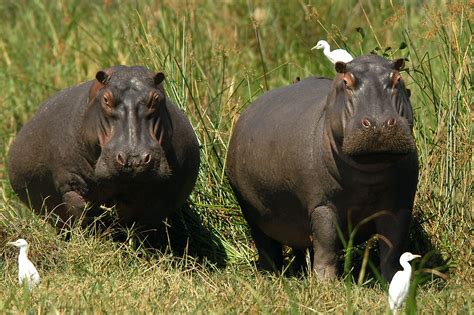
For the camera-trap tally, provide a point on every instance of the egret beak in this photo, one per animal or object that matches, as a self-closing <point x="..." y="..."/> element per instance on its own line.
<point x="416" y="256"/>
<point x="315" y="47"/>
<point x="11" y="243"/>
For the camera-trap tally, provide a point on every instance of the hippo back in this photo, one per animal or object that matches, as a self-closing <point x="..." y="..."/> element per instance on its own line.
<point x="287" y="118"/>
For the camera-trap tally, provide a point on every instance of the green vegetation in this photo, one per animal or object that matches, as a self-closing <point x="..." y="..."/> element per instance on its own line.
<point x="219" y="56"/>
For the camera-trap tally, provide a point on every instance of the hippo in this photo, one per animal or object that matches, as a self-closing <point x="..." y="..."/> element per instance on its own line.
<point x="116" y="141"/>
<point x="320" y="157"/>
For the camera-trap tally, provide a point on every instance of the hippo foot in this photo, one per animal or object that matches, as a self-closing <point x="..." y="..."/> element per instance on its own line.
<point x="325" y="273"/>
<point x="72" y="209"/>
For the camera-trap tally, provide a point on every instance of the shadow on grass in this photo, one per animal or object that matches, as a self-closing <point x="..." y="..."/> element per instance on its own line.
<point x="184" y="233"/>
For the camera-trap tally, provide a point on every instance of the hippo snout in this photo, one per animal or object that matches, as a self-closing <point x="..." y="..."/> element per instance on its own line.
<point x="132" y="160"/>
<point x="369" y="122"/>
<point x="385" y="135"/>
<point x="131" y="164"/>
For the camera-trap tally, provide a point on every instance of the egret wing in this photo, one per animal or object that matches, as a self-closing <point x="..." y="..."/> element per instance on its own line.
<point x="342" y="55"/>
<point x="398" y="290"/>
<point x="33" y="273"/>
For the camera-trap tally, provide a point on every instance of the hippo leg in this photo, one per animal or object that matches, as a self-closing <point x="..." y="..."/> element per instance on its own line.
<point x="270" y="257"/>
<point x="396" y="231"/>
<point x="324" y="238"/>
<point x="75" y="205"/>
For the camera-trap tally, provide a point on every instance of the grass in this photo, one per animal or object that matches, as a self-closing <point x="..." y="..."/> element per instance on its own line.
<point x="218" y="59"/>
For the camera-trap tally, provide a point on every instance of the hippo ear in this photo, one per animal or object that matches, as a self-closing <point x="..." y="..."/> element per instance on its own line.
<point x="103" y="77"/>
<point x="340" y="67"/>
<point x="399" y="64"/>
<point x="158" y="78"/>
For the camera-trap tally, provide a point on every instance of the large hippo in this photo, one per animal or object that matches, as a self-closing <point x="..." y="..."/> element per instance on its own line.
<point x="318" y="155"/>
<point x="114" y="141"/>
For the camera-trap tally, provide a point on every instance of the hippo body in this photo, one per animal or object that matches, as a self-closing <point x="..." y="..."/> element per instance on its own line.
<point x="115" y="141"/>
<point x="320" y="154"/>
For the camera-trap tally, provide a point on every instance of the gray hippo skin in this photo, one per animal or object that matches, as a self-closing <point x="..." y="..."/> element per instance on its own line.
<point x="320" y="154"/>
<point x="117" y="140"/>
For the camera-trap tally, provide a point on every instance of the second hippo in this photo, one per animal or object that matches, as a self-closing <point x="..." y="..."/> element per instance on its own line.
<point x="321" y="155"/>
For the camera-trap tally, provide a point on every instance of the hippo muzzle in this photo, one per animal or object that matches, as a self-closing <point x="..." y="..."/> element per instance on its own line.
<point x="389" y="138"/>
<point x="132" y="165"/>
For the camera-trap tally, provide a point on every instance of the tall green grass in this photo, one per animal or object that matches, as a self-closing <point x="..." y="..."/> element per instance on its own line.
<point x="218" y="57"/>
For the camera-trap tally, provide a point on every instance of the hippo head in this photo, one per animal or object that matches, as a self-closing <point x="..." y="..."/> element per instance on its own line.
<point x="128" y="124"/>
<point x="369" y="111"/>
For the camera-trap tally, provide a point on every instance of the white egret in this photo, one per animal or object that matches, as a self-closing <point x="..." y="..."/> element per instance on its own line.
<point x="335" y="55"/>
<point x="400" y="284"/>
<point x="26" y="270"/>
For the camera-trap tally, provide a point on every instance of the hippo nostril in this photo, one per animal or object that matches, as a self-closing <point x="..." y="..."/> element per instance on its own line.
<point x="366" y="123"/>
<point x="121" y="159"/>
<point x="146" y="159"/>
<point x="391" y="122"/>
